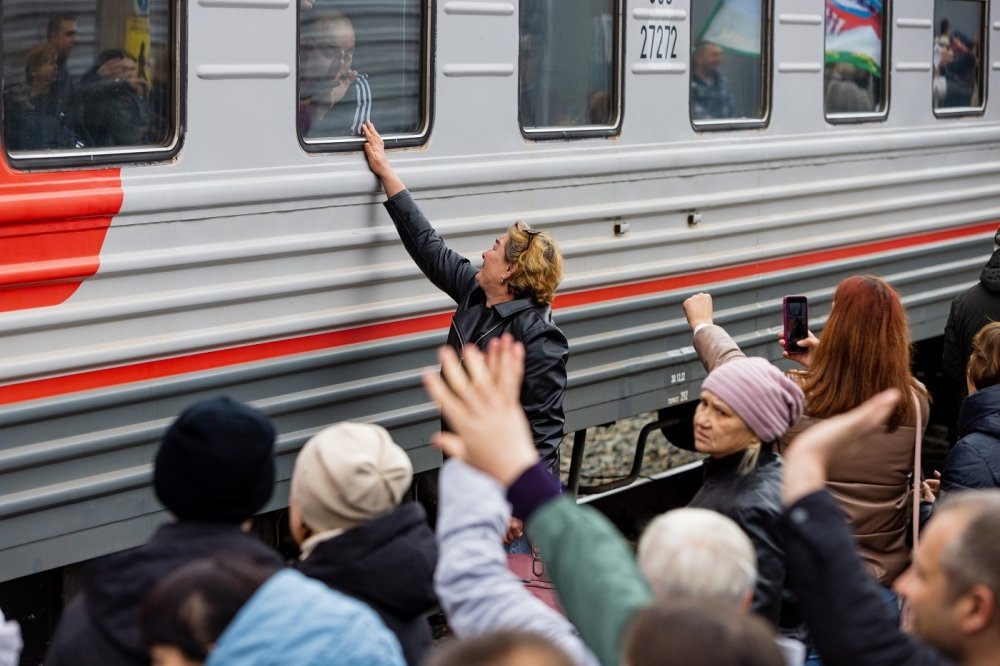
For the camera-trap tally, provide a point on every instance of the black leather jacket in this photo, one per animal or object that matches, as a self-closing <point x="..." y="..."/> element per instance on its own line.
<point x="752" y="501"/>
<point x="530" y="322"/>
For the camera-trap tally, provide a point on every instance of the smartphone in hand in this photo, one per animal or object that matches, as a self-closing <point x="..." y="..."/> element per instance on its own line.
<point x="796" y="317"/>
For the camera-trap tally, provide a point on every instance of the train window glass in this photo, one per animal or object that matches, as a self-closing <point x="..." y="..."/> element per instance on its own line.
<point x="853" y="83"/>
<point x="568" y="68"/>
<point x="88" y="77"/>
<point x="361" y="60"/>
<point x="959" y="76"/>
<point x="728" y="63"/>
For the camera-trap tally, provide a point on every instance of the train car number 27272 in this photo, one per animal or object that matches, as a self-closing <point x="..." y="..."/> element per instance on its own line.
<point x="659" y="42"/>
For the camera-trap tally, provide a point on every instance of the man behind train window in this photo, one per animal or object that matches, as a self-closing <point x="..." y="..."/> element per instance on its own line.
<point x="62" y="33"/>
<point x="334" y="99"/>
<point x="711" y="93"/>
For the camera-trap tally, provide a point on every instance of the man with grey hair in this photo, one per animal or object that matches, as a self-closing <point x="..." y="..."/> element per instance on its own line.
<point x="952" y="590"/>
<point x="700" y="554"/>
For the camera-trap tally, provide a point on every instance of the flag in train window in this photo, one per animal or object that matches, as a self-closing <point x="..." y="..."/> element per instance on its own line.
<point x="568" y="68"/>
<point x="360" y="60"/>
<point x="728" y="63"/>
<point x="88" y="77"/>
<point x="959" y="79"/>
<point x="855" y="50"/>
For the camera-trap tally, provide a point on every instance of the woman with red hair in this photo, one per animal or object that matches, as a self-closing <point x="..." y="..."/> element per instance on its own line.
<point x="865" y="349"/>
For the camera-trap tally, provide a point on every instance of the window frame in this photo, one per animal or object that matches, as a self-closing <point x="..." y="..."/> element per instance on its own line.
<point x="855" y="117"/>
<point x="618" y="90"/>
<point x="985" y="68"/>
<point x="766" y="78"/>
<point x="341" y="144"/>
<point x="83" y="158"/>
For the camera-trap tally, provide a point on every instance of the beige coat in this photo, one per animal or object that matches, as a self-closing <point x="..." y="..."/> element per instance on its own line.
<point x="870" y="485"/>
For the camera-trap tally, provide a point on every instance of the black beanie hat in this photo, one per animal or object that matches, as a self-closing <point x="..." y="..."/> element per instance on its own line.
<point x="216" y="462"/>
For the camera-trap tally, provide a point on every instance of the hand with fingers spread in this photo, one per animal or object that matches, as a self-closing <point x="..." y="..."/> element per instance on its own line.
<point x="378" y="162"/>
<point x="806" y="460"/>
<point x="481" y="403"/>
<point x="802" y="358"/>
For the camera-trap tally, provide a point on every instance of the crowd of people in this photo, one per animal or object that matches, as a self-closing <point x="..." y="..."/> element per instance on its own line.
<point x="800" y="546"/>
<point x="113" y="103"/>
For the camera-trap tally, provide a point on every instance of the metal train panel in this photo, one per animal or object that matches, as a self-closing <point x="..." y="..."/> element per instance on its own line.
<point x="257" y="269"/>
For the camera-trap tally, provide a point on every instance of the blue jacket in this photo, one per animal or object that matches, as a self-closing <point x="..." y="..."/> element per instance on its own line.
<point x="974" y="462"/>
<point x="293" y="619"/>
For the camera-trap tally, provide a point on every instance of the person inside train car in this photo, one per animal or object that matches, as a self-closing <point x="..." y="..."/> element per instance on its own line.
<point x="711" y="93"/>
<point x="865" y="349"/>
<point x="599" y="583"/>
<point x="344" y="511"/>
<point x="479" y="594"/>
<point x="511" y="293"/>
<point x="848" y="89"/>
<point x="213" y="471"/>
<point x="111" y="104"/>
<point x="226" y="610"/>
<point x="952" y="589"/>
<point x="970" y="311"/>
<point x="34" y="117"/>
<point x="334" y="99"/>
<point x="61" y="32"/>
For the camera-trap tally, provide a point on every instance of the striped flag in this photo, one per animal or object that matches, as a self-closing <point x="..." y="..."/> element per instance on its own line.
<point x="735" y="25"/>
<point x="854" y="33"/>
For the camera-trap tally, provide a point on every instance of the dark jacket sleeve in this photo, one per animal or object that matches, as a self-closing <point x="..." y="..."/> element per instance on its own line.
<point x="447" y="270"/>
<point x="966" y="468"/>
<point x="544" y="388"/>
<point x="848" y="619"/>
<point x="952" y="355"/>
<point x="759" y="525"/>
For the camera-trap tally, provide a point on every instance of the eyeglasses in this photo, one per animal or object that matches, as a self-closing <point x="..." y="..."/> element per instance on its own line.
<point x="335" y="52"/>
<point x="531" y="237"/>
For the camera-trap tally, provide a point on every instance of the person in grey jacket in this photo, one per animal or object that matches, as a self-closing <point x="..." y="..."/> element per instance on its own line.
<point x="477" y="591"/>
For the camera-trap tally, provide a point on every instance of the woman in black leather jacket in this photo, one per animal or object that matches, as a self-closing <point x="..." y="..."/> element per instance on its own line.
<point x="510" y="294"/>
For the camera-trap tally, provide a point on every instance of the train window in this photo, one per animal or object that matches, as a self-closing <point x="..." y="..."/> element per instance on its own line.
<point x="728" y="64"/>
<point x="853" y="84"/>
<point x="959" y="76"/>
<point x="361" y="60"/>
<point x="85" y="81"/>
<point x="569" y="68"/>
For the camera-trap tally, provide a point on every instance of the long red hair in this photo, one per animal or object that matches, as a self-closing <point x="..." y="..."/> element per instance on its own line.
<point x="865" y="349"/>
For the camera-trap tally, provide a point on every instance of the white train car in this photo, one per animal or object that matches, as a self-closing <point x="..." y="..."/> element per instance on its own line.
<point x="230" y="239"/>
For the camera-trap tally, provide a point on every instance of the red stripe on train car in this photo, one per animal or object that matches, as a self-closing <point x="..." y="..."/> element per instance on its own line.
<point x="137" y="372"/>
<point x="52" y="228"/>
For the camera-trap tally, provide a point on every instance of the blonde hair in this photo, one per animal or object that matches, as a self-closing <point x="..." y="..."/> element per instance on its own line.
<point x="537" y="260"/>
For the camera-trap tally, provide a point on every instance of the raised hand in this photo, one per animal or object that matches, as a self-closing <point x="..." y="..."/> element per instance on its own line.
<point x="803" y="358"/>
<point x="698" y="309"/>
<point x="481" y="402"/>
<point x="378" y="162"/>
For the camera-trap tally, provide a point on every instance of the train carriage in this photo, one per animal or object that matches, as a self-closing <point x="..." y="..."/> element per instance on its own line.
<point x="235" y="248"/>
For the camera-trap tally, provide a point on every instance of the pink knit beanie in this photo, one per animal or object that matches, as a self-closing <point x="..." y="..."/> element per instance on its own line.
<point x="760" y="394"/>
